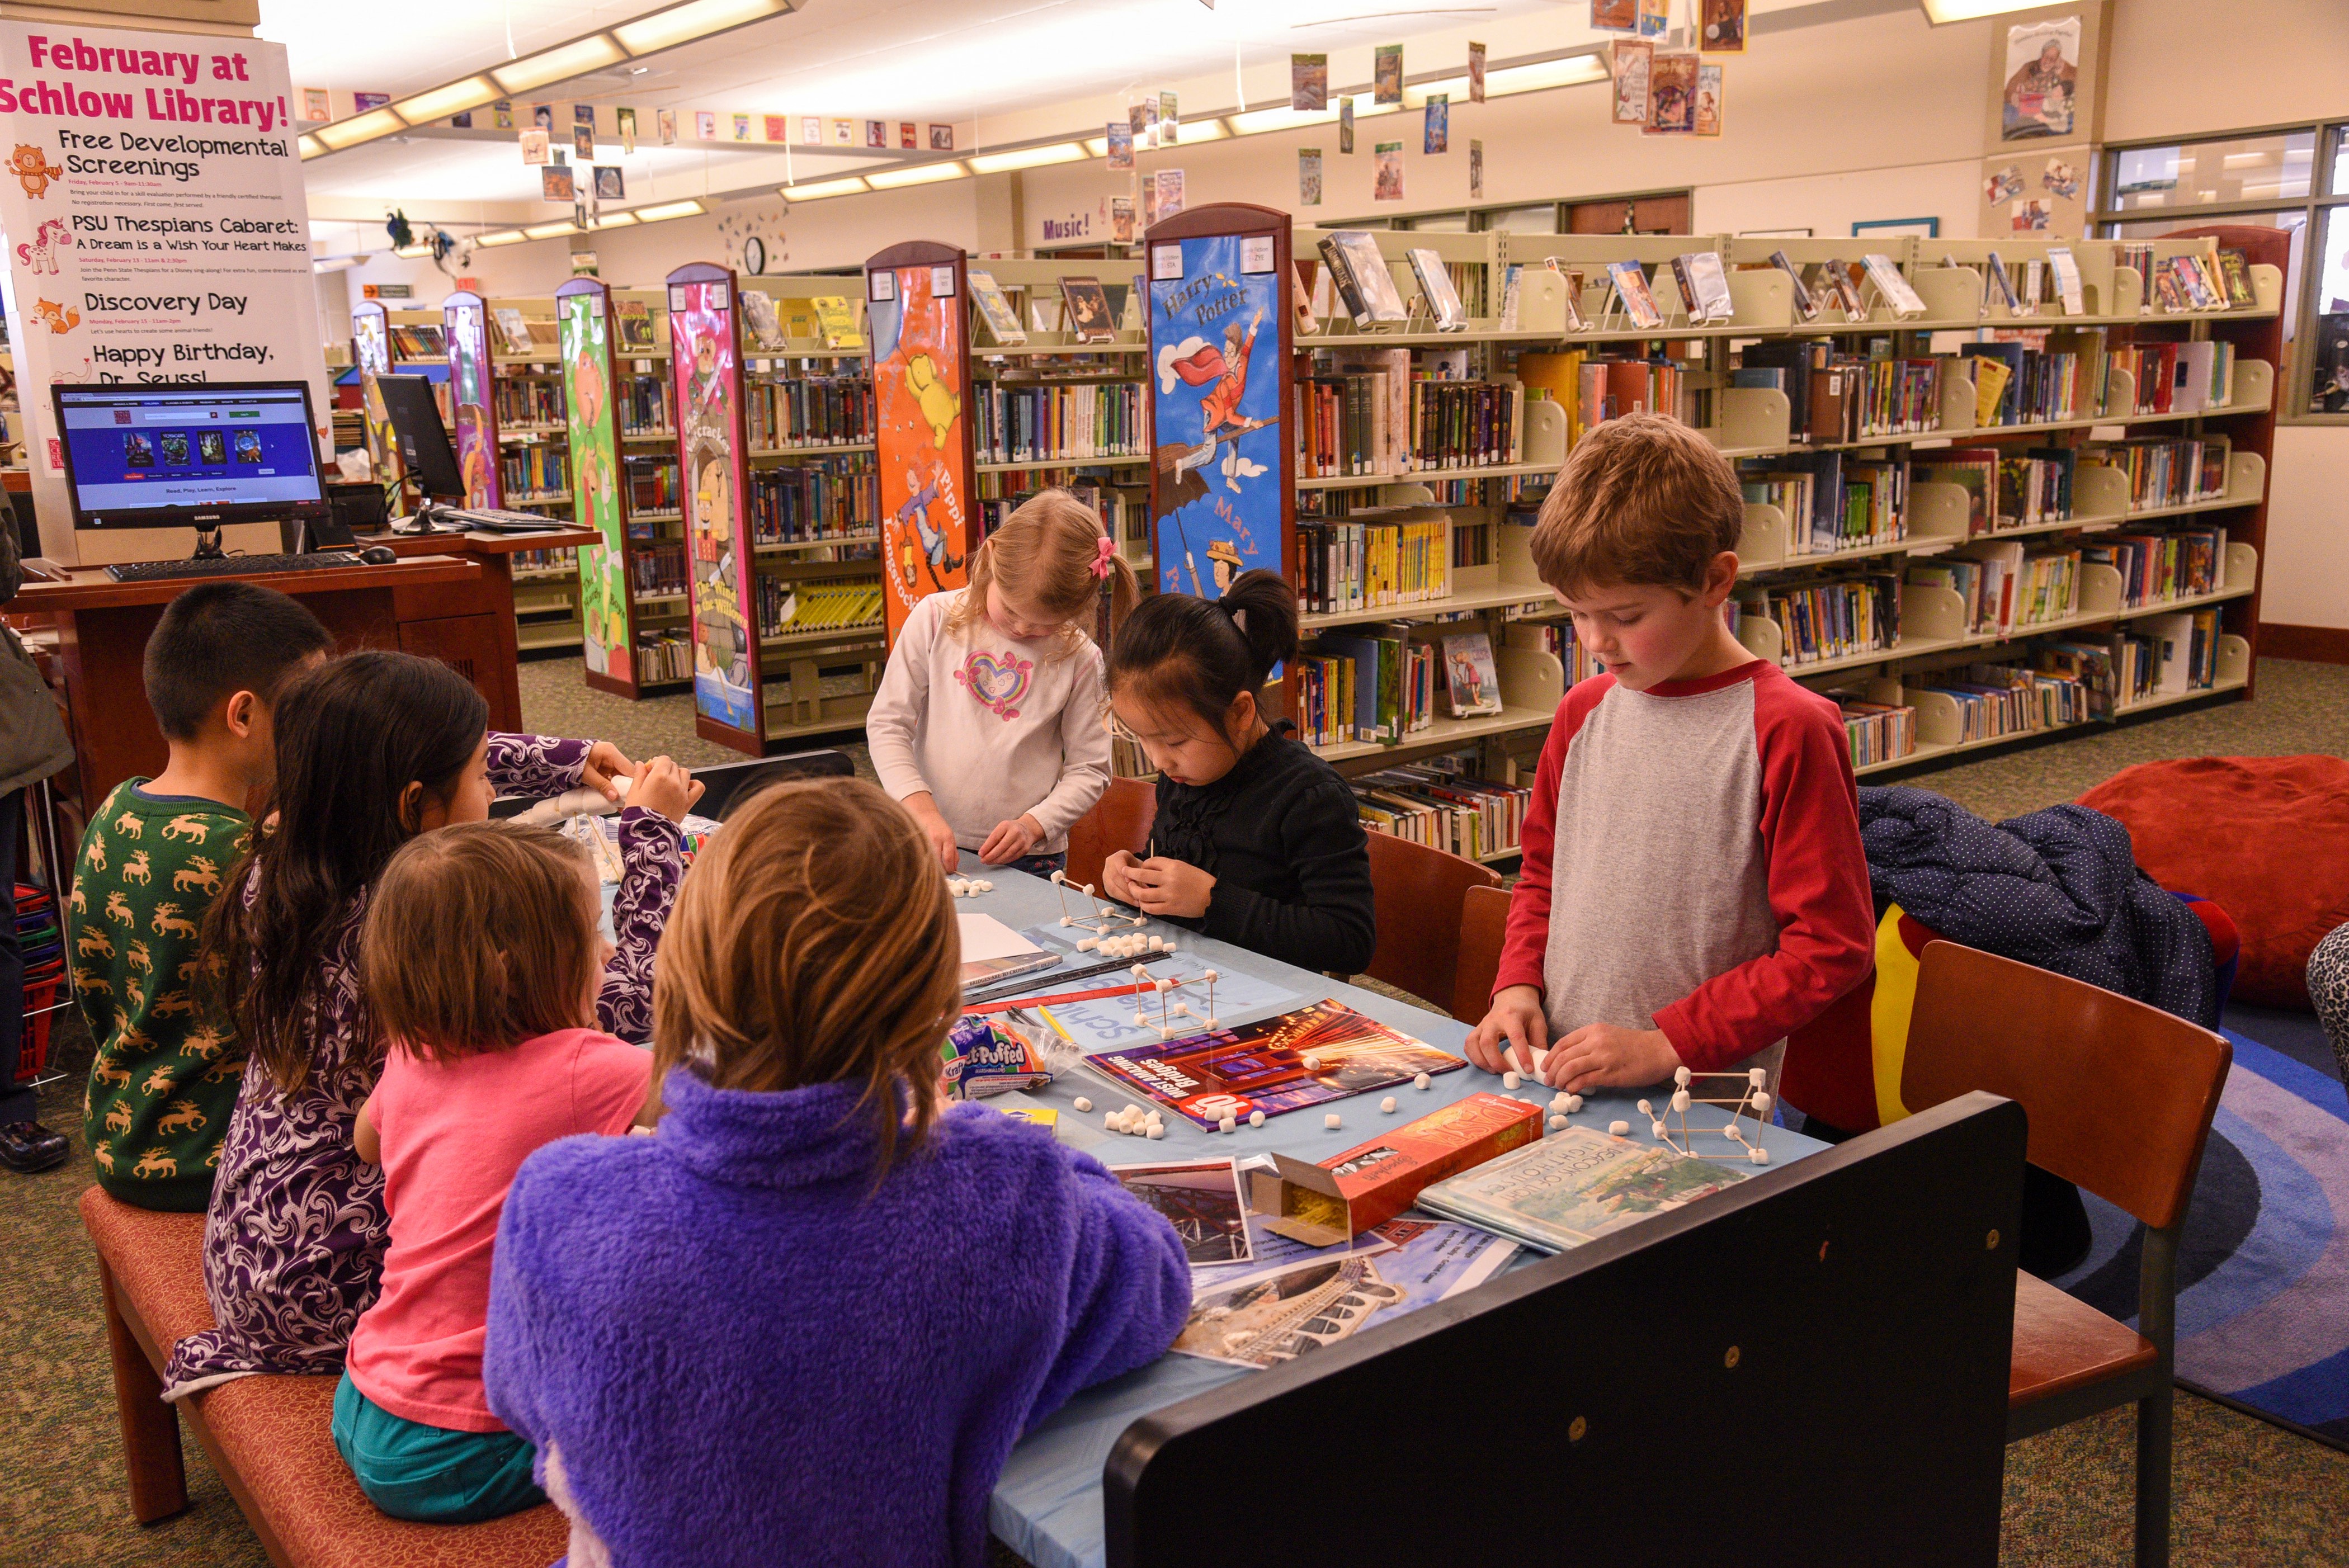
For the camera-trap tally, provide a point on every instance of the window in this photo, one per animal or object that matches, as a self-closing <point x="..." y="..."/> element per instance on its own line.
<point x="2294" y="178"/>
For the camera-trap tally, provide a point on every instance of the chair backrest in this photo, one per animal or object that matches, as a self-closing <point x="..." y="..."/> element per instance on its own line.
<point x="1418" y="891"/>
<point x="1483" y="927"/>
<point x="2120" y="1093"/>
<point x="1120" y="819"/>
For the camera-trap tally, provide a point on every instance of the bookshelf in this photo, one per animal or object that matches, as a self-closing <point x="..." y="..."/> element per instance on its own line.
<point x="1907" y="453"/>
<point x="525" y="465"/>
<point x="1052" y="411"/>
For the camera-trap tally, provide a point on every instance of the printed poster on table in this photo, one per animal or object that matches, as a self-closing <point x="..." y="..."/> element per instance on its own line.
<point x="917" y="378"/>
<point x="469" y="395"/>
<point x="585" y="333"/>
<point x="1219" y="486"/>
<point x="155" y="221"/>
<point x="708" y="401"/>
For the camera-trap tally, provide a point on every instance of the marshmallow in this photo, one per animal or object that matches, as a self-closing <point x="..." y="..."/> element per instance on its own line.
<point x="1422" y="1081"/>
<point x="1510" y="1080"/>
<point x="1387" y="1105"/>
<point x="1228" y="1124"/>
<point x="1557" y="1124"/>
<point x="1619" y="1128"/>
<point x="1331" y="1121"/>
<point x="1256" y="1118"/>
<point x="1083" y="1104"/>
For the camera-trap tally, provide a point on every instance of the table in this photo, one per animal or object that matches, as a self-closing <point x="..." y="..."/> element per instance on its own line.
<point x="1047" y="1505"/>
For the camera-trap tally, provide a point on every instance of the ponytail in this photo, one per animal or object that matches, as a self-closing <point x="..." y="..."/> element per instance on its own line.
<point x="1202" y="654"/>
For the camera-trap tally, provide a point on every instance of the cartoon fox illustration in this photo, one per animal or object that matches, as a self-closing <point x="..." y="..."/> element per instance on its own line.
<point x="130" y="825"/>
<point x="168" y="922"/>
<point x="184" y="1113"/>
<point x="117" y="908"/>
<point x="118" y="1118"/>
<point x="194" y="827"/>
<point x="135" y="868"/>
<point x="199" y="872"/>
<point x="156" y="1162"/>
<point x="103" y="1154"/>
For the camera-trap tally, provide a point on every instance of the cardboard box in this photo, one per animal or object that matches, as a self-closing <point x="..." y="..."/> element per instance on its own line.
<point x="1373" y="1182"/>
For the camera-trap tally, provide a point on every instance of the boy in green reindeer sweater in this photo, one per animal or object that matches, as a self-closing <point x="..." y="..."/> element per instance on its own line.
<point x="153" y="859"/>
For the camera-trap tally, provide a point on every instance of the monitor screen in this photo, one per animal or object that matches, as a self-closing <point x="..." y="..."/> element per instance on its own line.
<point x="423" y="439"/>
<point x="190" y="456"/>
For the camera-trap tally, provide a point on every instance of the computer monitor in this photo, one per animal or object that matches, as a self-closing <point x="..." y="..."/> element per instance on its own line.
<point x="423" y="440"/>
<point x="190" y="456"/>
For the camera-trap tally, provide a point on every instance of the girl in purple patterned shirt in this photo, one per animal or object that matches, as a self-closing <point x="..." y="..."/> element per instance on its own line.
<point x="372" y="750"/>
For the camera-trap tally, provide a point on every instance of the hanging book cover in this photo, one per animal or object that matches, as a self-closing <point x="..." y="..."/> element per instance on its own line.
<point x="1309" y="177"/>
<point x="1672" y="95"/>
<point x="1309" y="83"/>
<point x="1476" y="170"/>
<point x="917" y="389"/>
<point x="1724" y="27"/>
<point x="1615" y="15"/>
<point x="1120" y="220"/>
<point x="1708" y="100"/>
<point x="1262" y="1066"/>
<point x="1633" y="59"/>
<point x="667" y="120"/>
<point x="1166" y="193"/>
<point x="708" y="380"/>
<point x="1655" y="19"/>
<point x="1475" y="73"/>
<point x="1386" y="73"/>
<point x="1387" y="174"/>
<point x="1220" y="490"/>
<point x="606" y="639"/>
<point x="1120" y="144"/>
<point x="1345" y="125"/>
<point x="1435" y="133"/>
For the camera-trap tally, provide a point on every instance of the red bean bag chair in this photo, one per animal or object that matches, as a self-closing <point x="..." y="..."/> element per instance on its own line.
<point x="2266" y="837"/>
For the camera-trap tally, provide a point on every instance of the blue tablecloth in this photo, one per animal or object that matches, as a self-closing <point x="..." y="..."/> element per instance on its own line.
<point x="1047" y="1504"/>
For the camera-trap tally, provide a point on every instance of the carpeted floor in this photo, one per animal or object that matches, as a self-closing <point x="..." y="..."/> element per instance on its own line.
<point x="2246" y="1492"/>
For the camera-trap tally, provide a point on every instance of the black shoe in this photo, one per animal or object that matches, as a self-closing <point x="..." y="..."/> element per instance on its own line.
<point x="27" y="1146"/>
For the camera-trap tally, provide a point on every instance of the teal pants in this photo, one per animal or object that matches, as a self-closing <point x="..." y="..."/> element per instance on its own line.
<point x="412" y="1471"/>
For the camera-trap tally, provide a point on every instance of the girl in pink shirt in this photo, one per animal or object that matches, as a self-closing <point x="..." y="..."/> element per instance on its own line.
<point x="483" y="960"/>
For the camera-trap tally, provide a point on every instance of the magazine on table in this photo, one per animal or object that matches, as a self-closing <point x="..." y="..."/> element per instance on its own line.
<point x="1575" y="1186"/>
<point x="1307" y="1057"/>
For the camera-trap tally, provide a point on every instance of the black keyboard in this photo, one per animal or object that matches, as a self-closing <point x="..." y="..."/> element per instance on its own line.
<point x="230" y="566"/>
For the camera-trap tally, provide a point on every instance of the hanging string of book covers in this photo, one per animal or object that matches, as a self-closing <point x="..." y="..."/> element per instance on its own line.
<point x="1667" y="90"/>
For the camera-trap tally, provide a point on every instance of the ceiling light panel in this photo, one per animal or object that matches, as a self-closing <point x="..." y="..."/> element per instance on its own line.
<point x="919" y="174"/>
<point x="561" y="63"/>
<point x="817" y="190"/>
<point x="697" y="19"/>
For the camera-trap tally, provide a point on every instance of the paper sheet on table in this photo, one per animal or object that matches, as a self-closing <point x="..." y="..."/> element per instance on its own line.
<point x="985" y="937"/>
<point x="1108" y="1023"/>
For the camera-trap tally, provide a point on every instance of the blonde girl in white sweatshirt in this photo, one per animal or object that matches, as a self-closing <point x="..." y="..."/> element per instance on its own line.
<point x="988" y="726"/>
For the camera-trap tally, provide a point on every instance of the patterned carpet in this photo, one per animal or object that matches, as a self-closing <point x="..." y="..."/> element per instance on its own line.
<point x="2247" y="1492"/>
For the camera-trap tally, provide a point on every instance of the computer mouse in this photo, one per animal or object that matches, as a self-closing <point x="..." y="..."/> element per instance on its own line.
<point x="379" y="555"/>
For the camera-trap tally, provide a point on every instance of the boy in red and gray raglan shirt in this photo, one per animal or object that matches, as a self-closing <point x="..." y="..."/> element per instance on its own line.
<point x="1694" y="890"/>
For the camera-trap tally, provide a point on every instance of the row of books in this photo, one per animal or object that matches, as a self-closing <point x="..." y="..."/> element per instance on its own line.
<point x="1876" y="731"/>
<point x="1026" y="424"/>
<point x="2003" y="585"/>
<point x="652" y="487"/>
<point x="2196" y="281"/>
<point x="2167" y="656"/>
<point x="659" y="570"/>
<point x="1829" y="620"/>
<point x="421" y="341"/>
<point x="644" y="406"/>
<point x="2157" y="567"/>
<point x="803" y="502"/>
<point x="563" y="562"/>
<point x="1435" y="804"/>
<point x="663" y="655"/>
<point x="1833" y="502"/>
<point x="2178" y="377"/>
<point x="1832" y="397"/>
<point x="813" y="411"/>
<point x="832" y="319"/>
<point x="2018" y="384"/>
<point x="1994" y="700"/>
<point x="1372" y="684"/>
<point x="788" y="609"/>
<point x="1125" y="510"/>
<point x="1557" y="638"/>
<point x="1594" y="389"/>
<point x="532" y="473"/>
<point x="526" y="401"/>
<point x="1368" y="565"/>
<point x="2006" y="487"/>
<point x="2175" y="471"/>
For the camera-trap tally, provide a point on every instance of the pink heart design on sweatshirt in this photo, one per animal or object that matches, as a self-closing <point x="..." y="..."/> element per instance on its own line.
<point x="996" y="683"/>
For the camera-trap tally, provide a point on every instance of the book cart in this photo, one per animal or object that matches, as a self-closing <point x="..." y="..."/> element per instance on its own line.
<point x="1863" y="567"/>
<point x="1053" y="410"/>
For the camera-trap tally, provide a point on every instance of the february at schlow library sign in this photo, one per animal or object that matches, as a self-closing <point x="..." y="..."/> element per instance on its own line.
<point x="155" y="222"/>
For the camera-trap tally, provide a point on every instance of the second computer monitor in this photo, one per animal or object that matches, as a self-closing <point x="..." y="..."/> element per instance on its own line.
<point x="423" y="440"/>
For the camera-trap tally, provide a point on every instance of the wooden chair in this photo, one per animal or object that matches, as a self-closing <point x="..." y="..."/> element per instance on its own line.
<point x="1484" y="927"/>
<point x="2120" y="1097"/>
<point x="1120" y="819"/>
<point x="1418" y="892"/>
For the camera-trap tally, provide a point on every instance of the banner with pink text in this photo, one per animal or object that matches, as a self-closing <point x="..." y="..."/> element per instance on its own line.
<point x="154" y="220"/>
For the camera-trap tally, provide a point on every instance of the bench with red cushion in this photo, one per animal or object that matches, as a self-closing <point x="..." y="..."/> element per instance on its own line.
<point x="270" y="1438"/>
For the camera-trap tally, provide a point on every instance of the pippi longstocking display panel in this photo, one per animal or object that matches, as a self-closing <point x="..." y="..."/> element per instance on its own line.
<point x="371" y="351"/>
<point x="584" y="324"/>
<point x="467" y="321"/>
<point x="915" y="296"/>
<point x="1221" y="495"/>
<point x="706" y="343"/>
<point x="371" y="337"/>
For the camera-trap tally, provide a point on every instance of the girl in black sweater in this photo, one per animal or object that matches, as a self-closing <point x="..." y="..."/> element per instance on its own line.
<point x="1257" y="842"/>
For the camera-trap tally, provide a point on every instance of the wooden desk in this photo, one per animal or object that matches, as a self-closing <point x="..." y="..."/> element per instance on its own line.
<point x="473" y="627"/>
<point x="102" y="627"/>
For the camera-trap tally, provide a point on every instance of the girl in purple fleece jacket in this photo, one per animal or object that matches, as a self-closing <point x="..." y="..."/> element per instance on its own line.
<point x="807" y="1320"/>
